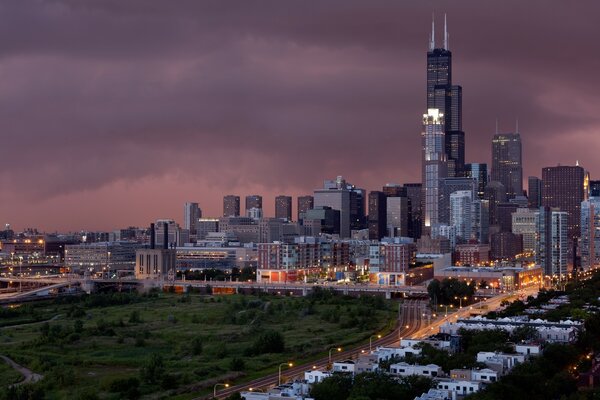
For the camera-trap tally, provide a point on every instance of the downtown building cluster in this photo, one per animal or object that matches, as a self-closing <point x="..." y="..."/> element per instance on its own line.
<point x="460" y="214"/>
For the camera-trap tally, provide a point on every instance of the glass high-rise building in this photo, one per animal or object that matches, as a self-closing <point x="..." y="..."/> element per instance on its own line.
<point x="479" y="172"/>
<point x="534" y="192"/>
<point x="507" y="166"/>
<point x="434" y="168"/>
<point x="253" y="201"/>
<point x="447" y="98"/>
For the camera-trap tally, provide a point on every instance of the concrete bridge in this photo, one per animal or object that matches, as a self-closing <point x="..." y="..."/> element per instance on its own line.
<point x="88" y="284"/>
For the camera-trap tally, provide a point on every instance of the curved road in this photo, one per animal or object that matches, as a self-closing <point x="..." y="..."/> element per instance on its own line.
<point x="409" y="323"/>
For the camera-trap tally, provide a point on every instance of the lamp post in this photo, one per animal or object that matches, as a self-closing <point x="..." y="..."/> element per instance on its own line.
<point x="226" y="385"/>
<point x="330" y="350"/>
<point x="371" y="341"/>
<point x="289" y="364"/>
<point x="460" y="299"/>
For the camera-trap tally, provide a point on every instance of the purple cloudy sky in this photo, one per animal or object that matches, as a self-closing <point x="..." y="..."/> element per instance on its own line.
<point x="114" y="113"/>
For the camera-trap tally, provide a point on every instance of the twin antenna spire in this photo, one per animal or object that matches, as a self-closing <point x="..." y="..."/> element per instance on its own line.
<point x="432" y="37"/>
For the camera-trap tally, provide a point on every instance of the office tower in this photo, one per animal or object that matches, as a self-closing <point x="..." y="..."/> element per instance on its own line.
<point x="480" y="220"/>
<point x="449" y="186"/>
<point x="397" y="216"/>
<point x="283" y="207"/>
<point x="206" y="226"/>
<point x="461" y="214"/>
<point x="590" y="233"/>
<point x="505" y="245"/>
<point x="551" y="246"/>
<point x="231" y="206"/>
<point x="447" y="98"/>
<point x="377" y="215"/>
<point x="444" y="231"/>
<point x="434" y="168"/>
<point x="495" y="193"/>
<point x="414" y="193"/>
<point x="191" y="215"/>
<point x="564" y="187"/>
<point x="504" y="212"/>
<point x="534" y="192"/>
<point x="305" y="203"/>
<point x="507" y="167"/>
<point x="479" y="172"/>
<point x="594" y="188"/>
<point x="253" y="201"/>
<point x="358" y="215"/>
<point x="394" y="190"/>
<point x="336" y="195"/>
<point x="328" y="219"/>
<point x="524" y="224"/>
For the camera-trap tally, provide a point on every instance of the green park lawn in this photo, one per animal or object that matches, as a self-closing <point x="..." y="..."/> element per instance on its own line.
<point x="90" y="347"/>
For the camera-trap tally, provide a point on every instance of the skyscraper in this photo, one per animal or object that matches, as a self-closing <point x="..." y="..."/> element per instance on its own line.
<point x="377" y="215"/>
<point x="507" y="167"/>
<point x="191" y="215"/>
<point x="447" y="98"/>
<point x="253" y="201"/>
<point x="231" y="206"/>
<point x="283" y="207"/>
<point x="397" y="216"/>
<point x="551" y="247"/>
<point x="434" y="165"/>
<point x="414" y="193"/>
<point x="479" y="172"/>
<point x="590" y="237"/>
<point x="534" y="192"/>
<point x="461" y="214"/>
<point x="594" y="188"/>
<point x="305" y="203"/>
<point x="565" y="187"/>
<point x="346" y="198"/>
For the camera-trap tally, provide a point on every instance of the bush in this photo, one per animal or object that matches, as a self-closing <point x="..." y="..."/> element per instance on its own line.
<point x="268" y="342"/>
<point x="237" y="364"/>
<point x="153" y="370"/>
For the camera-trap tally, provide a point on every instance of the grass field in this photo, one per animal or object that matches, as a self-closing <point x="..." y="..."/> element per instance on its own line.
<point x="171" y="346"/>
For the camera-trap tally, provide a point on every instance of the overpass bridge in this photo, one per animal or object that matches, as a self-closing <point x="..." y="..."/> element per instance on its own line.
<point x="89" y="285"/>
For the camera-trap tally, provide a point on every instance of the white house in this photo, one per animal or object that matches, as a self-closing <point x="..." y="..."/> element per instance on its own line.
<point x="528" y="349"/>
<point x="385" y="353"/>
<point x="405" y="369"/>
<point x="459" y="387"/>
<point x="344" y="366"/>
<point x="315" y="376"/>
<point x="435" y="394"/>
<point x="484" y="375"/>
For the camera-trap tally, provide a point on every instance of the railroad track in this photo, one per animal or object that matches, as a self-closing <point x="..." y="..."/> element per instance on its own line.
<point x="409" y="322"/>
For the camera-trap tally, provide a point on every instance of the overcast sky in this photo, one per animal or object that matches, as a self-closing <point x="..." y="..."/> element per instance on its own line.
<point x="114" y="113"/>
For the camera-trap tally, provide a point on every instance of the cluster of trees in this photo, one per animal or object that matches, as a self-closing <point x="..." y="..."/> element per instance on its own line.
<point x="369" y="385"/>
<point x="450" y="291"/>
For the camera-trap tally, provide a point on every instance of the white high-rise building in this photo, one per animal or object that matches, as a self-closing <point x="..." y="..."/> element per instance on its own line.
<point x="524" y="223"/>
<point x="434" y="167"/>
<point x="552" y="242"/>
<point x="461" y="214"/>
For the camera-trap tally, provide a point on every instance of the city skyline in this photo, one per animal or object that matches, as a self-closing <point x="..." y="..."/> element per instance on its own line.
<point x="102" y="131"/>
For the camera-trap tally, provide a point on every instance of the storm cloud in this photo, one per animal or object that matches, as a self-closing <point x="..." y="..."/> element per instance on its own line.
<point x="114" y="113"/>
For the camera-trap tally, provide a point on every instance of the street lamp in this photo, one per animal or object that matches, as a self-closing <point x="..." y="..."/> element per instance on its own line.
<point x="289" y="364"/>
<point x="226" y="385"/>
<point x="332" y="349"/>
<point x="371" y="341"/>
<point x="460" y="299"/>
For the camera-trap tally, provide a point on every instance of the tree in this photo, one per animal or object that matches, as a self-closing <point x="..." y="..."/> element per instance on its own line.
<point x="336" y="387"/>
<point x="153" y="370"/>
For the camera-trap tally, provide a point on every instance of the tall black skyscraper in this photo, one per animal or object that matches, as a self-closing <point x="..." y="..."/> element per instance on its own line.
<point x="507" y="167"/>
<point x="441" y="94"/>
